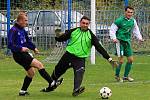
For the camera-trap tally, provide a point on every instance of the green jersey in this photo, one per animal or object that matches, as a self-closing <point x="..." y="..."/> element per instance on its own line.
<point x="80" y="43"/>
<point x="125" y="27"/>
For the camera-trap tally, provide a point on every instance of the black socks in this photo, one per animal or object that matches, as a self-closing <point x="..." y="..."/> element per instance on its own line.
<point x="26" y="83"/>
<point x="45" y="75"/>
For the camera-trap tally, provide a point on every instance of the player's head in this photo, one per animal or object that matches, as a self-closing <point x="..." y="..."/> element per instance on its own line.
<point x="22" y="19"/>
<point x="129" y="12"/>
<point x="84" y="23"/>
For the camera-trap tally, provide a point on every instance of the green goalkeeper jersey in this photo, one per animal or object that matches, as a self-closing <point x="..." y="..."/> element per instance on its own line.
<point x="125" y="27"/>
<point x="80" y="43"/>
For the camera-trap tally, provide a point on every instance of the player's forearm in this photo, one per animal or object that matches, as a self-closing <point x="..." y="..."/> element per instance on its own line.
<point x="137" y="33"/>
<point x="64" y="37"/>
<point x="103" y="52"/>
<point x="31" y="46"/>
<point x="61" y="39"/>
<point x="99" y="47"/>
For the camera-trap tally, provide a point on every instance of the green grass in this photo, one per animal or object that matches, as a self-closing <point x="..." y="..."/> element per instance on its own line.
<point x="96" y="76"/>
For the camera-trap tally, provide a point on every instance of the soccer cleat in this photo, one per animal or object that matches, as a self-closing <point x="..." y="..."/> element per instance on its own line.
<point x="118" y="79"/>
<point x="23" y="93"/>
<point x="78" y="91"/>
<point x="48" y="89"/>
<point x="53" y="86"/>
<point x="128" y="79"/>
<point x="57" y="83"/>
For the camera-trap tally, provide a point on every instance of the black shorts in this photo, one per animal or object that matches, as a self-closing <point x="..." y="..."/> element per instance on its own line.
<point x="69" y="60"/>
<point x="24" y="59"/>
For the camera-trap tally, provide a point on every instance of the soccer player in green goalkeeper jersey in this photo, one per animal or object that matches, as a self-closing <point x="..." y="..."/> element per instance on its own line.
<point x="120" y="33"/>
<point x="78" y="48"/>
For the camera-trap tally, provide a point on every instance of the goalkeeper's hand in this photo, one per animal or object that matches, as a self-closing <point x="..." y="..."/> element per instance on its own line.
<point x="58" y="32"/>
<point x="114" y="63"/>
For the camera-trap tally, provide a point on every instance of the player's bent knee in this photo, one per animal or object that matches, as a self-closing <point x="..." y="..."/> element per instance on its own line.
<point x="81" y="70"/>
<point x="130" y="61"/>
<point x="121" y="62"/>
<point x="31" y="72"/>
<point x="37" y="64"/>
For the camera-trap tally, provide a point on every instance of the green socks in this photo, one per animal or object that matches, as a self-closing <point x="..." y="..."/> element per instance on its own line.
<point x="118" y="70"/>
<point x="127" y="69"/>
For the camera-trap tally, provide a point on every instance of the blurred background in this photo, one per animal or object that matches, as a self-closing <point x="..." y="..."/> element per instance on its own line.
<point x="45" y="16"/>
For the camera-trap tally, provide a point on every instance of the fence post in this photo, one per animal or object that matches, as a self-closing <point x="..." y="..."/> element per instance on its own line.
<point x="126" y="3"/>
<point x="8" y="15"/>
<point x="8" y="52"/>
<point x="69" y="13"/>
<point x="93" y="28"/>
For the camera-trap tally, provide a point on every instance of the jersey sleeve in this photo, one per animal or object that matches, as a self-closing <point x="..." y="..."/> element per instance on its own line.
<point x="99" y="47"/>
<point x="29" y="44"/>
<point x="12" y="40"/>
<point x="65" y="36"/>
<point x="112" y="31"/>
<point x="136" y="31"/>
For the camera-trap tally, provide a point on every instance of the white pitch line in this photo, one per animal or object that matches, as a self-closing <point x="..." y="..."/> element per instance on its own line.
<point x="121" y="83"/>
<point x="142" y="63"/>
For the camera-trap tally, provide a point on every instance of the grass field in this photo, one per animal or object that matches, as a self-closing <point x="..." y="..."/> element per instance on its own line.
<point x="96" y="76"/>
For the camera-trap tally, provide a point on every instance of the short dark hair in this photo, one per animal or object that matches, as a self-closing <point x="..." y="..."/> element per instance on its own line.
<point x="85" y="17"/>
<point x="128" y="7"/>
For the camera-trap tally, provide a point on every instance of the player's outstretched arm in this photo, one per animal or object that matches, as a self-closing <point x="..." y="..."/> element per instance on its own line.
<point x="102" y="51"/>
<point x="60" y="36"/>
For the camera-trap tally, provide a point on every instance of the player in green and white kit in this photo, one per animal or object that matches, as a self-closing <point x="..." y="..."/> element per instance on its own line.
<point x="120" y="33"/>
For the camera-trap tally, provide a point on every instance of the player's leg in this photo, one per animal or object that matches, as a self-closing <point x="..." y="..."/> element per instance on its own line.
<point x="118" y="69"/>
<point x="27" y="81"/>
<point x="128" y="69"/>
<point x="52" y="83"/>
<point x="79" y="69"/>
<point x="119" y="52"/>
<point x="37" y="64"/>
<point x="61" y="66"/>
<point x="119" y="66"/>
<point x="128" y="53"/>
<point x="24" y="59"/>
<point x="27" y="61"/>
<point x="59" y="70"/>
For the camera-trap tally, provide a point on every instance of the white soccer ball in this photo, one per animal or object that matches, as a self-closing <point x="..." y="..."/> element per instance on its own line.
<point x="105" y="92"/>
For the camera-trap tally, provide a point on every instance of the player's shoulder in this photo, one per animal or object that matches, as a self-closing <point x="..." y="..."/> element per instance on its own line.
<point x="90" y="31"/>
<point x="72" y="29"/>
<point x="133" y="19"/>
<point x="119" y="19"/>
<point x="13" y="29"/>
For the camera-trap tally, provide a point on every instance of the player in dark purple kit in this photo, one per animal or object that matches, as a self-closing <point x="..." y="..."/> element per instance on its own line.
<point x="19" y="43"/>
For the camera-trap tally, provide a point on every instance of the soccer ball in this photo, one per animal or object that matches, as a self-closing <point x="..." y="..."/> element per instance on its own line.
<point x="105" y="92"/>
